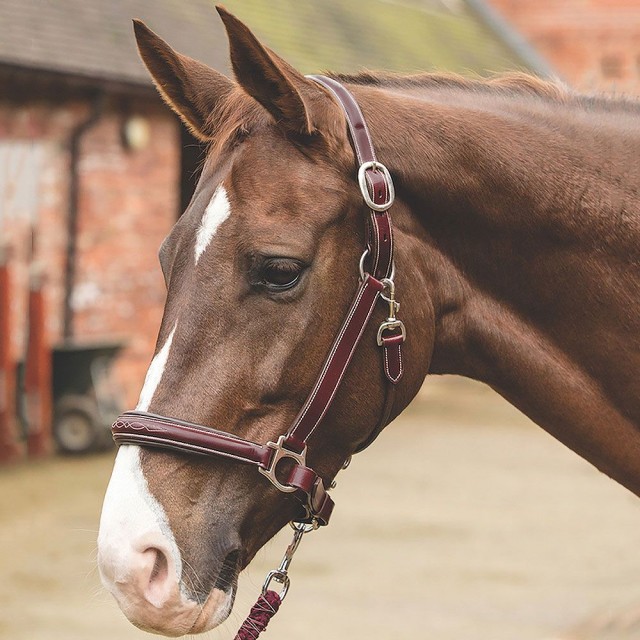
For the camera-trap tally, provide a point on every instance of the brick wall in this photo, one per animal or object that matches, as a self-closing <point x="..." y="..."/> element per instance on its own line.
<point x="28" y="131"/>
<point x="127" y="204"/>
<point x="594" y="44"/>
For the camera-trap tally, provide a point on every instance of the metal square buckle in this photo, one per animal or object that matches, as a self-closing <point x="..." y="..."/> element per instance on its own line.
<point x="280" y="452"/>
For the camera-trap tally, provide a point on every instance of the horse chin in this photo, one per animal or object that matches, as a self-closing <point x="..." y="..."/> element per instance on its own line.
<point x="184" y="616"/>
<point x="215" y="610"/>
<point x="219" y="602"/>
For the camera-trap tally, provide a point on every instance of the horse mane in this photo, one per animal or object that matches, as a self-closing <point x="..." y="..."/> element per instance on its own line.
<point x="506" y="83"/>
<point x="511" y="81"/>
<point x="238" y="113"/>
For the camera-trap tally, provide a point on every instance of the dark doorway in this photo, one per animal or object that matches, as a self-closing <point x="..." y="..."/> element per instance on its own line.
<point x="191" y="160"/>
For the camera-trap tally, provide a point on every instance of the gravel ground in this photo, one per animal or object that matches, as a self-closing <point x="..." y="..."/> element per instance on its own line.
<point x="491" y="531"/>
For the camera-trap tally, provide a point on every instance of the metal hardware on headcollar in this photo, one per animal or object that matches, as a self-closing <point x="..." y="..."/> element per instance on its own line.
<point x="281" y="574"/>
<point x="391" y="323"/>
<point x="363" y="273"/>
<point x="280" y="452"/>
<point x="374" y="165"/>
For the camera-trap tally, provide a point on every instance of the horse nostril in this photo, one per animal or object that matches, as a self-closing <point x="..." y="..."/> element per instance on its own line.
<point x="160" y="566"/>
<point x="158" y="587"/>
<point x="229" y="572"/>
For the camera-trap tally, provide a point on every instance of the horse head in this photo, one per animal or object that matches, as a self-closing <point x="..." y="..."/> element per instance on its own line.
<point x="260" y="271"/>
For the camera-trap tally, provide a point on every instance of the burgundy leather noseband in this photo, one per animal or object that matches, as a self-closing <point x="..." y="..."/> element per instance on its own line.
<point x="376" y="270"/>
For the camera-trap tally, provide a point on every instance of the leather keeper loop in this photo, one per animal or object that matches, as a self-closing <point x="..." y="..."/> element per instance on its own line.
<point x="392" y="357"/>
<point x="319" y="503"/>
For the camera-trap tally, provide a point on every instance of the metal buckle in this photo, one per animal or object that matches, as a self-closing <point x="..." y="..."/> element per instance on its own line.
<point x="279" y="453"/>
<point x="389" y="325"/>
<point x="364" y="189"/>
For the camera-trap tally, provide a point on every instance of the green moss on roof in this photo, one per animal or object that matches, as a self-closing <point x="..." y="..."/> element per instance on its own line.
<point x="94" y="39"/>
<point x="347" y="35"/>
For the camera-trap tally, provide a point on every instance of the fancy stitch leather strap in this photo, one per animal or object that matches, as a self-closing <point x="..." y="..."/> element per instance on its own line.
<point x="137" y="427"/>
<point x="151" y="430"/>
<point x="148" y="429"/>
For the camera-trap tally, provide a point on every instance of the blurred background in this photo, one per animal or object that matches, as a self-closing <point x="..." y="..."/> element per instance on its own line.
<point x="502" y="533"/>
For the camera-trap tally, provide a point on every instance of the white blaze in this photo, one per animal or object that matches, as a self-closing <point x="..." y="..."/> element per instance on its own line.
<point x="132" y="520"/>
<point x="215" y="214"/>
<point x="154" y="374"/>
<point x="134" y="528"/>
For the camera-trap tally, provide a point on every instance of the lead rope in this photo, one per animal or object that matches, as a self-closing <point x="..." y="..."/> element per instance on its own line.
<point x="269" y="601"/>
<point x="262" y="611"/>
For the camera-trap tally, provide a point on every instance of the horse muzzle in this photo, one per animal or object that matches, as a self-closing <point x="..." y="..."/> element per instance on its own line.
<point x="141" y="566"/>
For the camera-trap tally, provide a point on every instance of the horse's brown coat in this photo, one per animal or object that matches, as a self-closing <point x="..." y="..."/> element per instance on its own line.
<point x="517" y="227"/>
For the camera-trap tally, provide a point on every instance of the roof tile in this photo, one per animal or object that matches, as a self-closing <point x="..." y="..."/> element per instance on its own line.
<point x="94" y="38"/>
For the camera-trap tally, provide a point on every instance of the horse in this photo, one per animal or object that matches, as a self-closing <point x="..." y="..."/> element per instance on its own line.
<point x="516" y="263"/>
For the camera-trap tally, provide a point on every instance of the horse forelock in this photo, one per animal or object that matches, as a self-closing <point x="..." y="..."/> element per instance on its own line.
<point x="237" y="115"/>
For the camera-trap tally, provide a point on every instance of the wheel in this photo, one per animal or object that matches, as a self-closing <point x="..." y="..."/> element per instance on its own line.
<point x="75" y="427"/>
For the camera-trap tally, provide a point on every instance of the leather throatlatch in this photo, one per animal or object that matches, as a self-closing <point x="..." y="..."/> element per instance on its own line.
<point x="376" y="281"/>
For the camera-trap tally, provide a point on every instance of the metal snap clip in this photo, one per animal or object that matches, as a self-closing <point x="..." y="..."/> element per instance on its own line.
<point x="391" y="323"/>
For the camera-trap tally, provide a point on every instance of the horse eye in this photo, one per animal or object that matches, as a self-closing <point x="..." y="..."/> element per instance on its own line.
<point x="280" y="274"/>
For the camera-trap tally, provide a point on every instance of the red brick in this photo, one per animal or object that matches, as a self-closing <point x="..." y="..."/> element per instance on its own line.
<point x="128" y="203"/>
<point x="594" y="44"/>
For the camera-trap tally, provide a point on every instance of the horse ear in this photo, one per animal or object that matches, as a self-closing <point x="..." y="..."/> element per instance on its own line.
<point x="192" y="89"/>
<point x="284" y="92"/>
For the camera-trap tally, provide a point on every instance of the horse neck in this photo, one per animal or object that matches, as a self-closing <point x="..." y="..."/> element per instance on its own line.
<point x="523" y="217"/>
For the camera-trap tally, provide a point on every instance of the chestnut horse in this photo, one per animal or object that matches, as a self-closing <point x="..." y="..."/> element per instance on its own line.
<point x="517" y="237"/>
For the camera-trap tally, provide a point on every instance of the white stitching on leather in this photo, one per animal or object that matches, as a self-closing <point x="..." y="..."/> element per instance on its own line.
<point x="328" y="360"/>
<point x="386" y="365"/>
<point x="344" y="369"/>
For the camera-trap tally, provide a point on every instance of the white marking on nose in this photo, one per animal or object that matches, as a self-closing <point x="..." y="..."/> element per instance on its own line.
<point x="154" y="374"/>
<point x="215" y="214"/>
<point x="134" y="530"/>
<point x="133" y="521"/>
